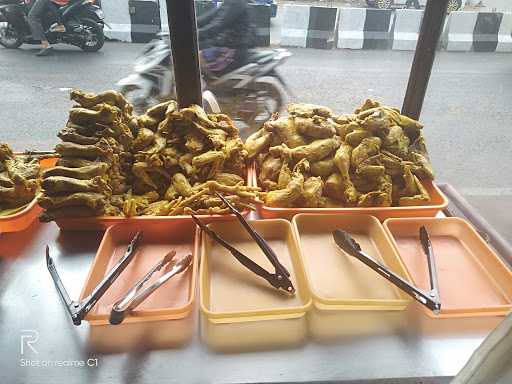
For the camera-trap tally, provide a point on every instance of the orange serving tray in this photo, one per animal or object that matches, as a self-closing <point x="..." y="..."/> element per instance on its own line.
<point x="22" y="219"/>
<point x="438" y="203"/>
<point x="473" y="280"/>
<point x="174" y="299"/>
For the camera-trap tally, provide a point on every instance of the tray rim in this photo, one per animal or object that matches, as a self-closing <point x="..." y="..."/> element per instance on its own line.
<point x="326" y="304"/>
<point x="498" y="310"/>
<point x="146" y="315"/>
<point x="258" y="314"/>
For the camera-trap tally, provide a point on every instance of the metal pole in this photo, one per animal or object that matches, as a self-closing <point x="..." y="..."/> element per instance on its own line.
<point x="431" y="29"/>
<point x="182" y="27"/>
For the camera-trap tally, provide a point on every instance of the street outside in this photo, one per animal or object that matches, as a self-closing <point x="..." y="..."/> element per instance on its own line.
<point x="466" y="112"/>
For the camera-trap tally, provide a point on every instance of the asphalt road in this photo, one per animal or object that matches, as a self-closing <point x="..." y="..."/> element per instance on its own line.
<point x="466" y="113"/>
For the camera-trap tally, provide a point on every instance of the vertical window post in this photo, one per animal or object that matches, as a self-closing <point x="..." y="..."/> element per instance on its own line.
<point x="182" y="27"/>
<point x="430" y="31"/>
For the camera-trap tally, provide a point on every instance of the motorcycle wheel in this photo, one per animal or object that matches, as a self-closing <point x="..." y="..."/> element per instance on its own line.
<point x="96" y="38"/>
<point x="9" y="37"/>
<point x="255" y="106"/>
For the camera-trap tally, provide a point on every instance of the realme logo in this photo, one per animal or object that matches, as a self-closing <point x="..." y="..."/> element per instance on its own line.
<point x="27" y="339"/>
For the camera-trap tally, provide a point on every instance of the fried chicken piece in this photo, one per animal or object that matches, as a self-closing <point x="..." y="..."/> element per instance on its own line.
<point x="19" y="194"/>
<point x="21" y="168"/>
<point x="103" y="114"/>
<point x="158" y="208"/>
<point x="89" y="100"/>
<point x="185" y="163"/>
<point x="308" y="110"/>
<point x="396" y="141"/>
<point x="74" y="162"/>
<point x="285" y="129"/>
<point x="145" y="121"/>
<point x="418" y="155"/>
<point x="368" y="104"/>
<point x="194" y="142"/>
<point x="236" y="156"/>
<point x="342" y="159"/>
<point x="413" y="193"/>
<point x="313" y="188"/>
<point x="100" y="149"/>
<point x="270" y="169"/>
<point x="355" y="137"/>
<point x="208" y="163"/>
<point x="208" y="158"/>
<point x="368" y="147"/>
<point x="257" y="142"/>
<point x="72" y="136"/>
<point x="141" y="171"/>
<point x="228" y="178"/>
<point x="134" y="205"/>
<point x="288" y="196"/>
<point x="393" y="164"/>
<point x="334" y="187"/>
<point x="381" y="197"/>
<point x="181" y="185"/>
<point x="145" y="137"/>
<point x="317" y="150"/>
<point x="342" y="130"/>
<point x="159" y="111"/>
<point x="315" y="127"/>
<point x="371" y="168"/>
<point x="5" y="180"/>
<point x="55" y="185"/>
<point x="225" y="123"/>
<point x="83" y="173"/>
<point x="93" y="200"/>
<point x="285" y="175"/>
<point x="85" y="130"/>
<point x="157" y="146"/>
<point x="5" y="152"/>
<point x="323" y="168"/>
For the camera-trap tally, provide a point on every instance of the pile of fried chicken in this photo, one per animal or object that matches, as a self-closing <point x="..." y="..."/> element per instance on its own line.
<point x="313" y="158"/>
<point x="18" y="180"/>
<point x="165" y="162"/>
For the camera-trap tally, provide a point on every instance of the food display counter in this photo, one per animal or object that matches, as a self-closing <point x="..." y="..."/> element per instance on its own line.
<point x="413" y="348"/>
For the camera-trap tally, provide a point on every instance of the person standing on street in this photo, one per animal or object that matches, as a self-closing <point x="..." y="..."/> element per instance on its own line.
<point x="35" y="20"/>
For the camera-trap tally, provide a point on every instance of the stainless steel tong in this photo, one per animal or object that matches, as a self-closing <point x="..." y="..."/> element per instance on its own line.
<point x="280" y="279"/>
<point x="430" y="299"/>
<point x="138" y="293"/>
<point x="79" y="309"/>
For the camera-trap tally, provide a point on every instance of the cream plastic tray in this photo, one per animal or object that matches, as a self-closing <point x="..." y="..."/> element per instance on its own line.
<point x="240" y="310"/>
<point x="348" y="297"/>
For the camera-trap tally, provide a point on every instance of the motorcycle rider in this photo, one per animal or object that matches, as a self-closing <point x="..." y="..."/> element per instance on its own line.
<point x="35" y="20"/>
<point x="225" y="36"/>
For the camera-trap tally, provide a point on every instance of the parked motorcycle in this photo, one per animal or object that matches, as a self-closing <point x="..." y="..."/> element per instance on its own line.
<point x="249" y="93"/>
<point x="83" y="21"/>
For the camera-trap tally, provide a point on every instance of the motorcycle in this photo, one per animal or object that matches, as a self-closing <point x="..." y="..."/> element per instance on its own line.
<point x="249" y="93"/>
<point x="82" y="19"/>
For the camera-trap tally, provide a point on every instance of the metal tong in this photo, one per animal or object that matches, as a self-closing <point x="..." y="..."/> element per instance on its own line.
<point x="79" y="309"/>
<point x="280" y="279"/>
<point x="138" y="293"/>
<point x="430" y="299"/>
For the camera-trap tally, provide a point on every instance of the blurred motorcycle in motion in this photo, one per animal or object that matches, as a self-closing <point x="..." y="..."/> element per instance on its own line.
<point x="249" y="94"/>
